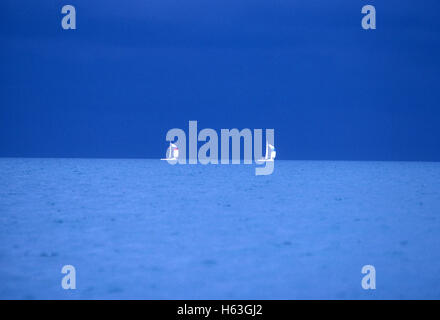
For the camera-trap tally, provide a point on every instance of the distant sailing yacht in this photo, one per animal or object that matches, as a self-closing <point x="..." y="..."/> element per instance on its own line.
<point x="173" y="154"/>
<point x="270" y="153"/>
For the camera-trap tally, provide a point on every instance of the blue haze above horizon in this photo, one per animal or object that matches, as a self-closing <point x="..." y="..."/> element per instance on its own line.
<point x="133" y="70"/>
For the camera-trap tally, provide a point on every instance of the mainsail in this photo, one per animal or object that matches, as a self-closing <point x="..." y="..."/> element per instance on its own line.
<point x="172" y="152"/>
<point x="175" y="152"/>
<point x="270" y="153"/>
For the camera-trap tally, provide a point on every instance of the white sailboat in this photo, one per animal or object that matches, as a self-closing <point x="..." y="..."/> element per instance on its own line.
<point x="270" y="153"/>
<point x="173" y="153"/>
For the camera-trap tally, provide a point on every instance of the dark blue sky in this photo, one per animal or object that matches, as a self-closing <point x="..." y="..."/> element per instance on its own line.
<point x="132" y="70"/>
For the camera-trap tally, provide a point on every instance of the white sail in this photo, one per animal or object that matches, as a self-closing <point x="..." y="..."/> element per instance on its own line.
<point x="270" y="153"/>
<point x="173" y="153"/>
<point x="273" y="153"/>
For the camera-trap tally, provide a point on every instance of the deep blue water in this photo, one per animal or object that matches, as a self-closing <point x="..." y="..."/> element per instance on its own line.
<point x="146" y="229"/>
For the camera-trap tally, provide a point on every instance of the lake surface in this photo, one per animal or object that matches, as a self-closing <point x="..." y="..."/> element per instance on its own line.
<point x="144" y="229"/>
